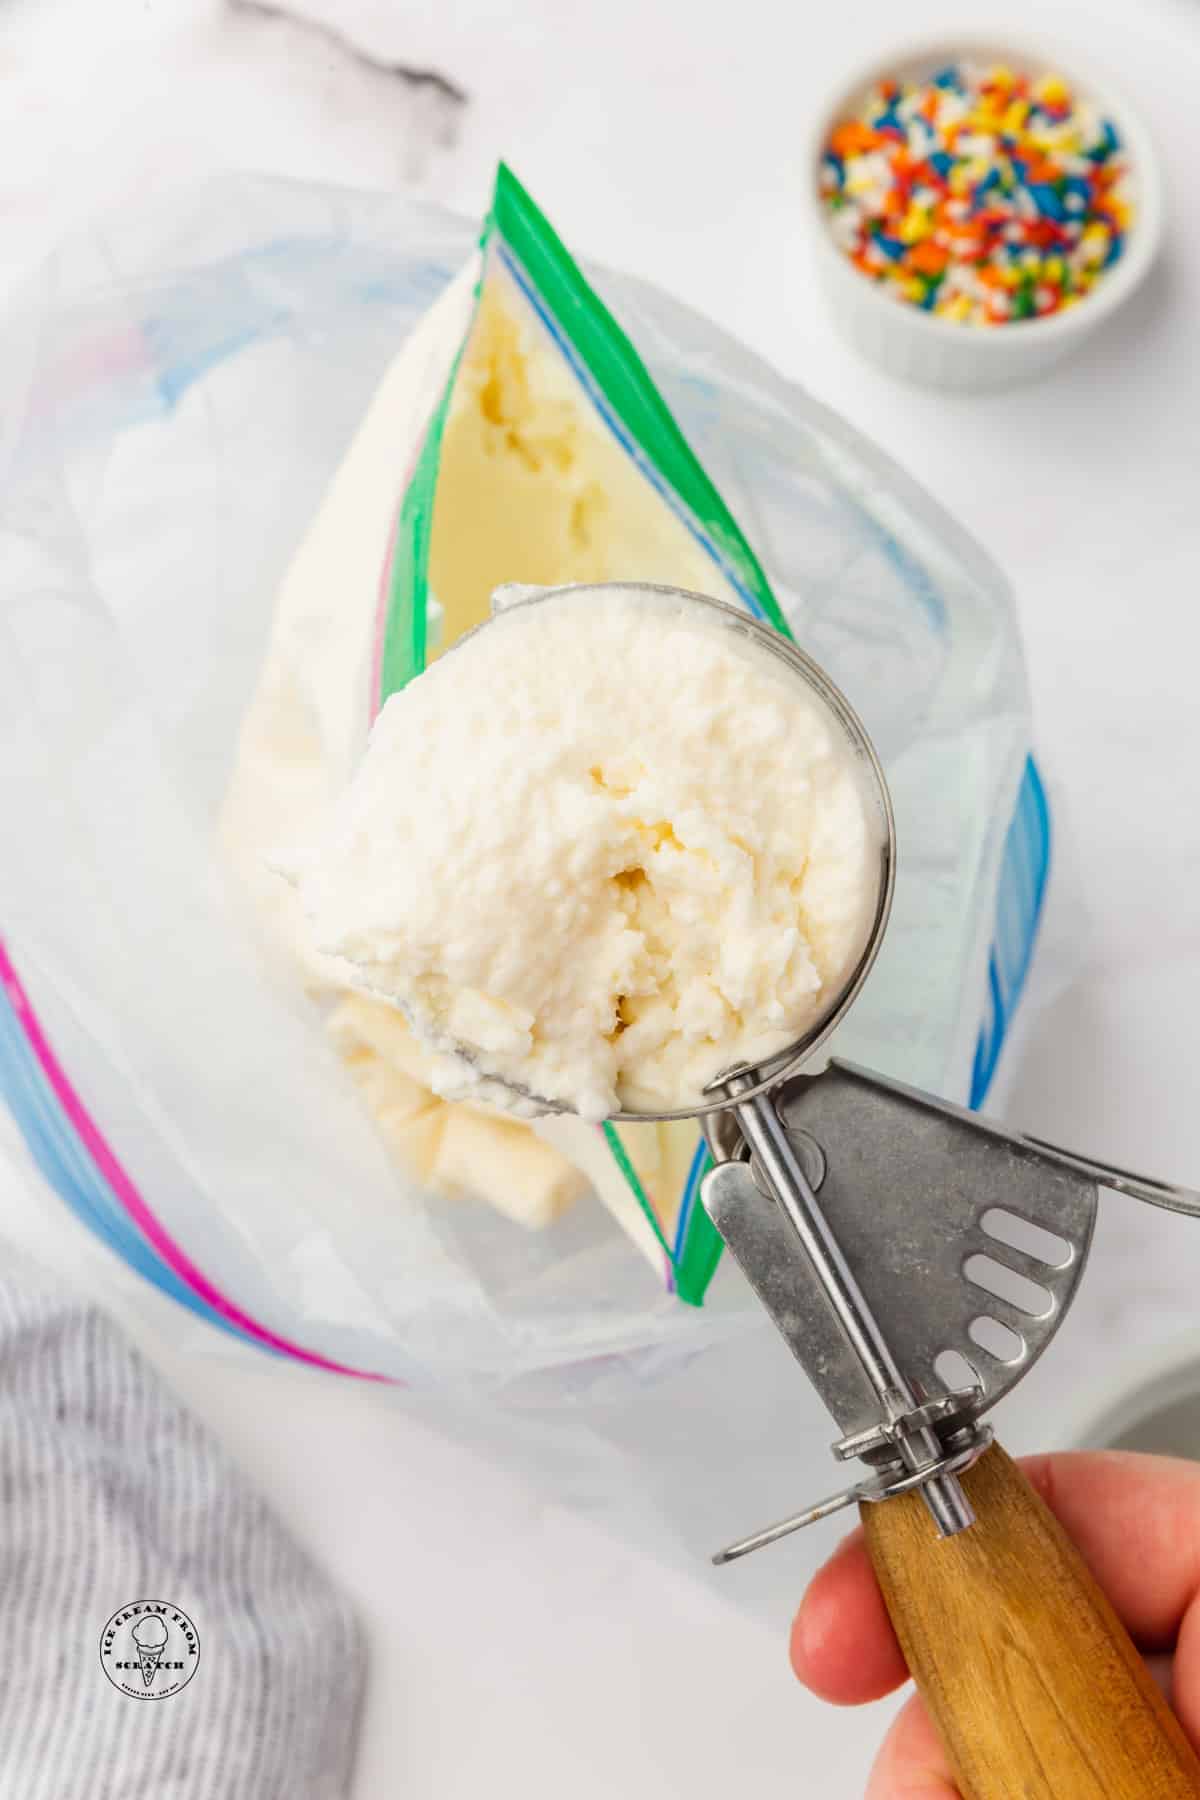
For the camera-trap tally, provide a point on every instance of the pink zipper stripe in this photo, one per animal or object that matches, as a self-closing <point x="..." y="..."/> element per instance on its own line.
<point x="152" y="1229"/>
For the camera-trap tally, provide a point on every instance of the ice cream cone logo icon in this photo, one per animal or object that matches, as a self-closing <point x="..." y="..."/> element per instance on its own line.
<point x="150" y="1636"/>
<point x="150" y="1649"/>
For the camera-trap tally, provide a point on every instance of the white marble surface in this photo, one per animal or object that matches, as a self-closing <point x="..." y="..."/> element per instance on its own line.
<point x="514" y="1644"/>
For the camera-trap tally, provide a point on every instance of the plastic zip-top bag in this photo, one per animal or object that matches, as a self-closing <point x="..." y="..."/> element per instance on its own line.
<point x="272" y="454"/>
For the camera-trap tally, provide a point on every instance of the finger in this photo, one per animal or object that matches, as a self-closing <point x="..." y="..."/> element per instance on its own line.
<point x="1136" y="1521"/>
<point x="1135" y="1518"/>
<point x="911" y="1764"/>
<point x="843" y="1646"/>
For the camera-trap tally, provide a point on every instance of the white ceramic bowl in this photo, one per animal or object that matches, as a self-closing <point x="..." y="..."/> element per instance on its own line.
<point x="914" y="344"/>
<point x="1154" y="1404"/>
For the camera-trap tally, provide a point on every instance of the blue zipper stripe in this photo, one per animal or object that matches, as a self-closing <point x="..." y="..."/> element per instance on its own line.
<point x="691" y="1188"/>
<point x="71" y="1172"/>
<point x="1024" y="874"/>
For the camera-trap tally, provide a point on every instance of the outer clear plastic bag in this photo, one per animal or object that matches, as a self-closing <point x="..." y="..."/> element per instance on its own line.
<point x="186" y="387"/>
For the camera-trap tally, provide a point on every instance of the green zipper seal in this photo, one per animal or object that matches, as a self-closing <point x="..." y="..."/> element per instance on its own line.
<point x="403" y="654"/>
<point x="404" y="649"/>
<point x="622" y="1160"/>
<point x="700" y="1251"/>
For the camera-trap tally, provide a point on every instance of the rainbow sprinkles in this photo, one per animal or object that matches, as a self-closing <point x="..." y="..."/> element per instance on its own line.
<point x="983" y="196"/>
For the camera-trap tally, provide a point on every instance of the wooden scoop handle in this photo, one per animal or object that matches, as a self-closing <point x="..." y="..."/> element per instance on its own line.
<point x="1029" y="1675"/>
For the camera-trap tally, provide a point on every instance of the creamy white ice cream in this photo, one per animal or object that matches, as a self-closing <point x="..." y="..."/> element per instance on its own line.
<point x="533" y="486"/>
<point x="608" y="847"/>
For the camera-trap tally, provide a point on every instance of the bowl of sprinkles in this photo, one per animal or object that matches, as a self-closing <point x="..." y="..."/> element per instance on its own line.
<point x="979" y="212"/>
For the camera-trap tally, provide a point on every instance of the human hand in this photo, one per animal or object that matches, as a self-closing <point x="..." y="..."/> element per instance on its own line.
<point x="1136" y="1521"/>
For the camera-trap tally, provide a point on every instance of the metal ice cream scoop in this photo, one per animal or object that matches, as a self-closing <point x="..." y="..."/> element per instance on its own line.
<point x="887" y="1234"/>
<point x="890" y="1235"/>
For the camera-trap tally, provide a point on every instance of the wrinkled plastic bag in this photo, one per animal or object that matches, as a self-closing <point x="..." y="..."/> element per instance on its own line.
<point x="186" y="387"/>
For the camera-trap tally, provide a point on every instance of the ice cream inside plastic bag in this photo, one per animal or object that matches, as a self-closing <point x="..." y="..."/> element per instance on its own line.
<point x="521" y="469"/>
<point x="225" y="419"/>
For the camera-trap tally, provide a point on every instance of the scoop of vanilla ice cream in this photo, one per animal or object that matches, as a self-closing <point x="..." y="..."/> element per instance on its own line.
<point x="605" y="849"/>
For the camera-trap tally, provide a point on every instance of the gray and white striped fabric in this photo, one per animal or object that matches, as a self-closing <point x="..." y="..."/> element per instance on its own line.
<point x="111" y="1493"/>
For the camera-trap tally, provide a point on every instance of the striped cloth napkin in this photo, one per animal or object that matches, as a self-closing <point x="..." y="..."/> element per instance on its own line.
<point x="112" y="1498"/>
